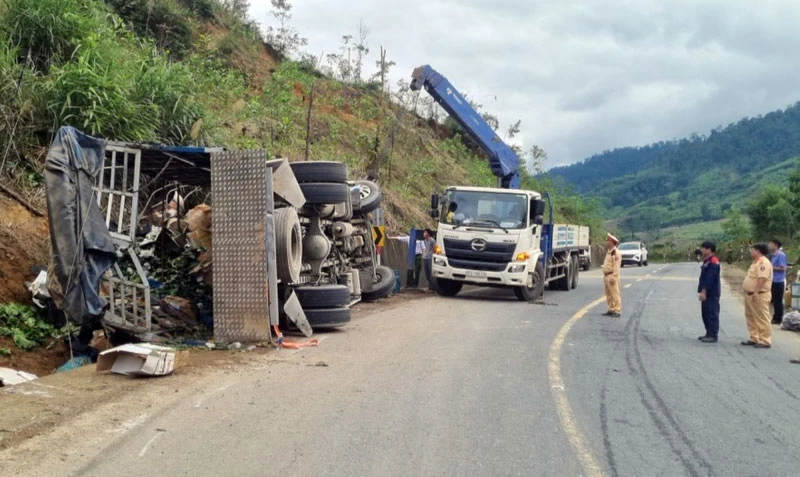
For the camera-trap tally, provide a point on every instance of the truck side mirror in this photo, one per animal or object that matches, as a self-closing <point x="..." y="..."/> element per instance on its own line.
<point x="434" y="213"/>
<point x="538" y="220"/>
<point x="537" y="208"/>
<point x="434" y="201"/>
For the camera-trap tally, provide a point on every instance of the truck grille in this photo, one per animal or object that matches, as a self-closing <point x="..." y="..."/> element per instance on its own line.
<point x="494" y="258"/>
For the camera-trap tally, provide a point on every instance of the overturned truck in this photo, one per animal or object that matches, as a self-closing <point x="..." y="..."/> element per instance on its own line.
<point x="292" y="242"/>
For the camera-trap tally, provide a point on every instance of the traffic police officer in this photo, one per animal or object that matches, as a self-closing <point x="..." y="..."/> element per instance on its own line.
<point x="758" y="289"/>
<point x="611" y="268"/>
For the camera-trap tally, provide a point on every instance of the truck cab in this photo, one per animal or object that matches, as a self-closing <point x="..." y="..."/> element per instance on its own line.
<point x="488" y="237"/>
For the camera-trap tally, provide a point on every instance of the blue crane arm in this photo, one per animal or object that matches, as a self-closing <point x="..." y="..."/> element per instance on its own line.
<point x="503" y="161"/>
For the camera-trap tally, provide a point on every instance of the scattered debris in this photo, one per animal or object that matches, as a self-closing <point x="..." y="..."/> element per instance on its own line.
<point x="38" y="289"/>
<point x="142" y="359"/>
<point x="74" y="363"/>
<point x="10" y="377"/>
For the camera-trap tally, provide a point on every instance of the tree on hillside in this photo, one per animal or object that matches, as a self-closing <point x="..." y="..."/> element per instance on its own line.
<point x="239" y="8"/>
<point x="283" y="37"/>
<point x="736" y="226"/>
<point x="772" y="213"/>
<point x="535" y="159"/>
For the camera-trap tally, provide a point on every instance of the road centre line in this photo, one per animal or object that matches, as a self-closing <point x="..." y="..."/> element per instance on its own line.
<point x="574" y="435"/>
<point x="628" y="285"/>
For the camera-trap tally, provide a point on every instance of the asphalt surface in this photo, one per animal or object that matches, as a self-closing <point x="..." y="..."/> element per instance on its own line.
<point x="482" y="384"/>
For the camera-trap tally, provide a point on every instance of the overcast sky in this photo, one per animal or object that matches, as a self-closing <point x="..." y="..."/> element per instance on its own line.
<point x="583" y="76"/>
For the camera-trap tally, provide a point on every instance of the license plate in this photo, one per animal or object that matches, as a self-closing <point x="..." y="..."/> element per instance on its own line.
<point x="475" y="274"/>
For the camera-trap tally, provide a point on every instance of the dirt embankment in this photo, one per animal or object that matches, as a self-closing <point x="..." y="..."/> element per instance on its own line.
<point x="24" y="245"/>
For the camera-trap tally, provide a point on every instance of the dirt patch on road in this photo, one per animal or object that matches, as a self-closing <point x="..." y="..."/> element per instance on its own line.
<point x="55" y="401"/>
<point x="733" y="277"/>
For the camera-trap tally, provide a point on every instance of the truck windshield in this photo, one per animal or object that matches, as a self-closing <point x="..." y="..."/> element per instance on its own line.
<point x="485" y="209"/>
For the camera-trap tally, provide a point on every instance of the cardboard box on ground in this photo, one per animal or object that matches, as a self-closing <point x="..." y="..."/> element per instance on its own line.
<point x="141" y="359"/>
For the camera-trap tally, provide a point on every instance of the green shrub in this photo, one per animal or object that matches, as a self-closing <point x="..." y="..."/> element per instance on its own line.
<point x="49" y="31"/>
<point x="164" y="21"/>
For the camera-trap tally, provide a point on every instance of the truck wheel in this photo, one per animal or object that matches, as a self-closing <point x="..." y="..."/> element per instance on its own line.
<point x="534" y="288"/>
<point x="288" y="245"/>
<point x="319" y="171"/>
<point x="586" y="265"/>
<point x="564" y="282"/>
<point x="327" y="317"/>
<point x="446" y="287"/>
<point x="322" y="296"/>
<point x="324" y="192"/>
<point x="370" y="196"/>
<point x="378" y="286"/>
<point x="575" y="273"/>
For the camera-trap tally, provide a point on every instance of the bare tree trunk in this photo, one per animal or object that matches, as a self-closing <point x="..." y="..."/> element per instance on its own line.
<point x="308" y="121"/>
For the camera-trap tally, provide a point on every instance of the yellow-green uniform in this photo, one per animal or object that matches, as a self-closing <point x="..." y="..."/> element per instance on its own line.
<point x="757" y="300"/>
<point x="611" y="268"/>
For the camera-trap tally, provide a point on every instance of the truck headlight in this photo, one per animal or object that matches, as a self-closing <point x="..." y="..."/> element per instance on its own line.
<point x="440" y="261"/>
<point x="516" y="268"/>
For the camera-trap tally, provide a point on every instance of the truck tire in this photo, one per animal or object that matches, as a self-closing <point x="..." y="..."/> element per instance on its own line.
<point x="370" y="196"/>
<point x="378" y="286"/>
<point x="446" y="287"/>
<point x="586" y="265"/>
<point x="575" y="273"/>
<point x="319" y="171"/>
<point x="324" y="193"/>
<point x="534" y="288"/>
<point x="323" y="296"/>
<point x="288" y="245"/>
<point x="327" y="317"/>
<point x="565" y="282"/>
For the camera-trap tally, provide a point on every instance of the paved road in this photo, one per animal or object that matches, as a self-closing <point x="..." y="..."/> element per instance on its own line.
<point x="485" y="385"/>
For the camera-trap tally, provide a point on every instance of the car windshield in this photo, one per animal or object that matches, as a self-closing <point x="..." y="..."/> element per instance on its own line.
<point x="485" y="209"/>
<point x="629" y="246"/>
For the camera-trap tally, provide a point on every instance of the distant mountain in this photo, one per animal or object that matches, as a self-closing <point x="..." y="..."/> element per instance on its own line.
<point x="693" y="179"/>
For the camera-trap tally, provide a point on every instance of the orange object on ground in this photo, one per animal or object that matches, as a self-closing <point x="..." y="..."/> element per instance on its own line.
<point x="292" y="344"/>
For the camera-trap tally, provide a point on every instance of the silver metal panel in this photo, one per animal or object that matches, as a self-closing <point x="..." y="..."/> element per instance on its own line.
<point x="240" y="191"/>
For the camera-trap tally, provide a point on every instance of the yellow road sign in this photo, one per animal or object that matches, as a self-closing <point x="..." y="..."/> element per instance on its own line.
<point x="379" y="235"/>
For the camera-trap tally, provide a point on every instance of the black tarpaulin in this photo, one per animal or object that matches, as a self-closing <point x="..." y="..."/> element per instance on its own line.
<point x="81" y="244"/>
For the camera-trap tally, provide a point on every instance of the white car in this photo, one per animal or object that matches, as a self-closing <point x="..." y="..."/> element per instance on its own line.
<point x="633" y="253"/>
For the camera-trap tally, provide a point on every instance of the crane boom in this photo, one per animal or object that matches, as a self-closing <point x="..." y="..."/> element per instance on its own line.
<point x="503" y="161"/>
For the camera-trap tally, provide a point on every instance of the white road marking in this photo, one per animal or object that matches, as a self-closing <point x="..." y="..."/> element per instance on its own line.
<point x="149" y="443"/>
<point x="575" y="437"/>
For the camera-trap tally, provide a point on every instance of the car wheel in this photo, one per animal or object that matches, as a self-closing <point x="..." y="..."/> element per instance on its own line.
<point x="534" y="287"/>
<point x="327" y="317"/>
<point x="323" y="296"/>
<point x="288" y="245"/>
<point x="371" y="196"/>
<point x="319" y="171"/>
<point x="377" y="285"/>
<point x="325" y="192"/>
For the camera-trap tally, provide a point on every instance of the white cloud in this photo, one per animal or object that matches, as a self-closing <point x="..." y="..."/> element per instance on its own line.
<point x="584" y="76"/>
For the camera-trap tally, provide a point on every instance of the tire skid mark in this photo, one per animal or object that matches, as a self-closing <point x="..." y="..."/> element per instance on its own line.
<point x="652" y="400"/>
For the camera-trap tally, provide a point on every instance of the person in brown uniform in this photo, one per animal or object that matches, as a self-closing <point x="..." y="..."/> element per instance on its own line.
<point x="758" y="295"/>
<point x="611" y="267"/>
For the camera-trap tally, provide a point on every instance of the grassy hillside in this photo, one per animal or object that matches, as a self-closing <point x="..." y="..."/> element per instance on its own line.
<point x="196" y="72"/>
<point x="695" y="179"/>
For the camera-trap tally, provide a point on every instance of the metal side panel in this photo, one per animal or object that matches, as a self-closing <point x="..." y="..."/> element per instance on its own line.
<point x="240" y="190"/>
